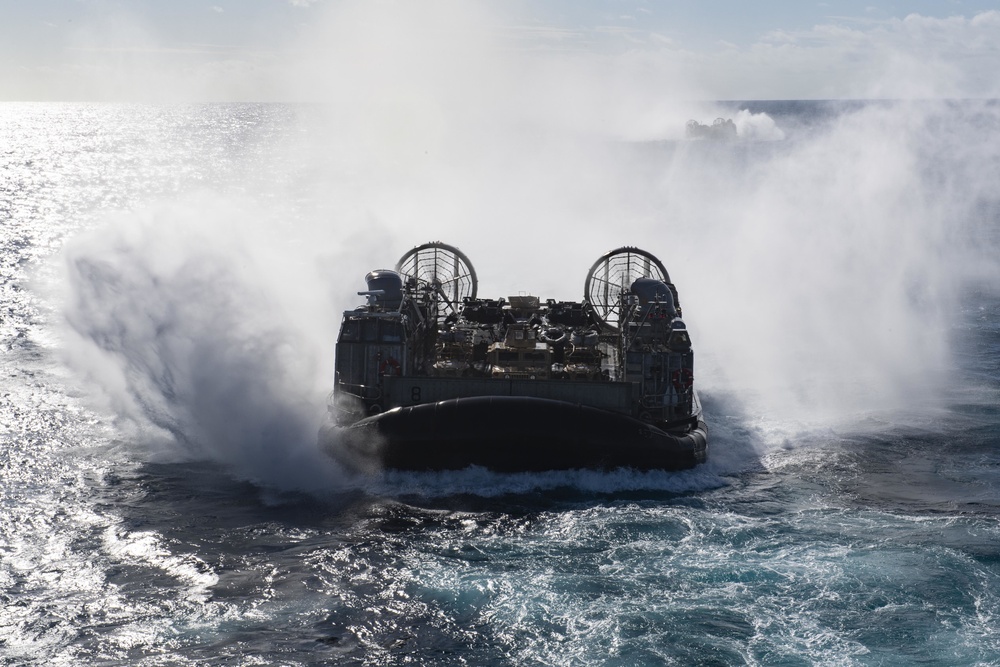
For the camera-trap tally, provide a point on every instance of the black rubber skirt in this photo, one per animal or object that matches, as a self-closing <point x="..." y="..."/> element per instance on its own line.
<point x="512" y="434"/>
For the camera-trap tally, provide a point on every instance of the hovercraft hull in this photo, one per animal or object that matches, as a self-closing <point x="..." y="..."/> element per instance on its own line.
<point x="513" y="434"/>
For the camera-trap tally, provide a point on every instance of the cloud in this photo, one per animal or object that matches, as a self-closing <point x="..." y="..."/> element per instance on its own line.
<point x="915" y="56"/>
<point x="129" y="57"/>
<point x="903" y="58"/>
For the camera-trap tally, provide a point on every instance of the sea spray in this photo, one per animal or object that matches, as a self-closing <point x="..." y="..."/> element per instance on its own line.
<point x="819" y="270"/>
<point x="189" y="329"/>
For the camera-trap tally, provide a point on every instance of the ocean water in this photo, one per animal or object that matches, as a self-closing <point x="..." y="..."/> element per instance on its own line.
<point x="172" y="279"/>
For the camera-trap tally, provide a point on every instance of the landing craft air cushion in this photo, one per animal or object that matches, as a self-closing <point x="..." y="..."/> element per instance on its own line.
<point x="431" y="377"/>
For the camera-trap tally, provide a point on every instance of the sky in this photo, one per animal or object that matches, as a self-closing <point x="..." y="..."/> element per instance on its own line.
<point x="270" y="50"/>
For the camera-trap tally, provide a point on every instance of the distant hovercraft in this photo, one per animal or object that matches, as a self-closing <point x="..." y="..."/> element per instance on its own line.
<point x="722" y="129"/>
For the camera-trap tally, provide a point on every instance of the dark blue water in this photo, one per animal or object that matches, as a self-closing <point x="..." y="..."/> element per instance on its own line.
<point x="172" y="279"/>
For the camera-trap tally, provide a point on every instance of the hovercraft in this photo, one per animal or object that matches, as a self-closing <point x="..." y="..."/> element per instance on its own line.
<point x="429" y="376"/>
<point x="722" y="129"/>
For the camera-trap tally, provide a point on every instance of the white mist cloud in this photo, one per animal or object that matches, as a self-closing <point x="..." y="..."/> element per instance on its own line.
<point x="817" y="273"/>
<point x="192" y="332"/>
